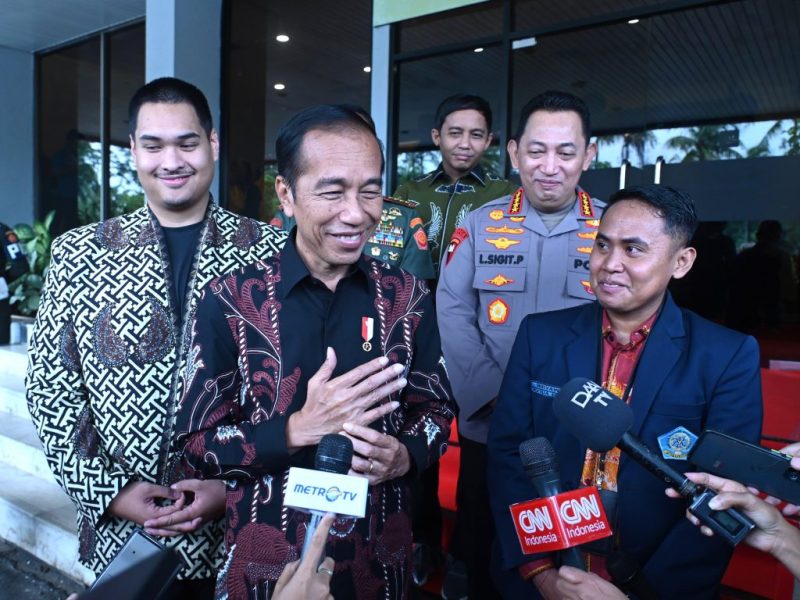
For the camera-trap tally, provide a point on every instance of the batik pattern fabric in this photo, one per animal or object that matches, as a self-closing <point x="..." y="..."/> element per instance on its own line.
<point x="249" y="372"/>
<point x="103" y="363"/>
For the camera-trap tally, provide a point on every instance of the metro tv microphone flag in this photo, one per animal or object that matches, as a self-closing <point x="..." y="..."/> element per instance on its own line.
<point x="327" y="487"/>
<point x="557" y="521"/>
<point x="601" y="420"/>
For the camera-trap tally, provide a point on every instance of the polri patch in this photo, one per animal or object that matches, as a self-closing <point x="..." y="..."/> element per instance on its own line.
<point x="677" y="443"/>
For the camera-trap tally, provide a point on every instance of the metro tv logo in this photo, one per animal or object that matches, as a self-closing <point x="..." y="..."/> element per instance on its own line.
<point x="331" y="494"/>
<point x="559" y="522"/>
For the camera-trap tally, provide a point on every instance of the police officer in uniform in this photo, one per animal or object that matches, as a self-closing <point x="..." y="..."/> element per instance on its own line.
<point x="522" y="253"/>
<point x="13" y="264"/>
<point x="462" y="131"/>
<point x="399" y="238"/>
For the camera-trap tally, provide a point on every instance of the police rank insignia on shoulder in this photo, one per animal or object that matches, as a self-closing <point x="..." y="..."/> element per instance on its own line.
<point x="677" y="443"/>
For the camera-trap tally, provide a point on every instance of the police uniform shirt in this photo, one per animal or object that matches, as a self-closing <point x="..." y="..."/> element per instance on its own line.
<point x="500" y="266"/>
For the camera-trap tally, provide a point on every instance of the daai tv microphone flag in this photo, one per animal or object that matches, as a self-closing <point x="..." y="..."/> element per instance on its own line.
<point x="327" y="487"/>
<point x="557" y="521"/>
<point x="601" y="420"/>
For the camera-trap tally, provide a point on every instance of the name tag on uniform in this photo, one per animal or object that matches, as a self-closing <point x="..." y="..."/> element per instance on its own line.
<point x="544" y="389"/>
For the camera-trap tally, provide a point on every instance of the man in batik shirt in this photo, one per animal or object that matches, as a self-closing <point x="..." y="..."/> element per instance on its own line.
<point x="318" y="339"/>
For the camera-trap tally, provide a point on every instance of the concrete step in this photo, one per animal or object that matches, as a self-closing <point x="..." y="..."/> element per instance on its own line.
<point x="20" y="446"/>
<point x="14" y="361"/>
<point x="35" y="513"/>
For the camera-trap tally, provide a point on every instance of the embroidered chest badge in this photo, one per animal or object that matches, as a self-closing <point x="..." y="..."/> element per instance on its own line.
<point x="367" y="331"/>
<point x="499" y="280"/>
<point x="498" y="311"/>
<point x="496" y="215"/>
<point x="677" y="443"/>
<point x="502" y="243"/>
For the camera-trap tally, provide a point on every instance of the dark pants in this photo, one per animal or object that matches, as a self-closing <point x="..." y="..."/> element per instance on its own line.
<point x="474" y="530"/>
<point x="192" y="589"/>
<point x="426" y="511"/>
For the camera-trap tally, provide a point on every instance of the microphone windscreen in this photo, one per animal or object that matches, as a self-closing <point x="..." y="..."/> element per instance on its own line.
<point x="334" y="454"/>
<point x="538" y="456"/>
<point x="592" y="414"/>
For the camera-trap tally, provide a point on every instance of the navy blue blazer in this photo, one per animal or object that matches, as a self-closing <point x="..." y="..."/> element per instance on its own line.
<point x="692" y="373"/>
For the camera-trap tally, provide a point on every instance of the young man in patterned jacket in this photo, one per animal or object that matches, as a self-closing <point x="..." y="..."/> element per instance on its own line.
<point x="109" y="340"/>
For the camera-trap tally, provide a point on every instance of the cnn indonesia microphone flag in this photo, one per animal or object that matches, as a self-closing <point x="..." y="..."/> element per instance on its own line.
<point x="557" y="522"/>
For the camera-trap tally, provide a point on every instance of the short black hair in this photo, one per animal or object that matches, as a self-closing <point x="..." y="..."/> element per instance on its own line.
<point x="462" y="102"/>
<point x="323" y="117"/>
<point x="170" y="90"/>
<point x="555" y="101"/>
<point x="675" y="207"/>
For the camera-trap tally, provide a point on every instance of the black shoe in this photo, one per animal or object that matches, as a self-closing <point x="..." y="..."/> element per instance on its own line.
<point x="454" y="586"/>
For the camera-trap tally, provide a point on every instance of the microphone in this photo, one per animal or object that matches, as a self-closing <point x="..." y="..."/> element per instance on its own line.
<point x="327" y="487"/>
<point x="541" y="465"/>
<point x="601" y="420"/>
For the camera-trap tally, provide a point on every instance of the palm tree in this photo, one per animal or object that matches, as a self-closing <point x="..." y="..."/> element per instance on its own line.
<point x="762" y="148"/>
<point x="637" y="142"/>
<point x="702" y="143"/>
<point x="792" y="142"/>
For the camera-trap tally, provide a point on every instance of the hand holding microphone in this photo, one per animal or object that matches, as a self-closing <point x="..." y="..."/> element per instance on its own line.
<point x="773" y="534"/>
<point x="601" y="421"/>
<point x="327" y="487"/>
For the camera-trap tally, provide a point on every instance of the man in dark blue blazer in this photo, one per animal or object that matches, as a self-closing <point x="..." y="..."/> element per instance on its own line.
<point x="687" y="372"/>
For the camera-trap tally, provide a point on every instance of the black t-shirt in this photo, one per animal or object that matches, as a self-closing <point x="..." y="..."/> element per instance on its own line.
<point x="181" y="245"/>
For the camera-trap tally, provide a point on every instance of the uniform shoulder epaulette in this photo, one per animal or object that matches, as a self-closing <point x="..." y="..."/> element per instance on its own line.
<point x="401" y="201"/>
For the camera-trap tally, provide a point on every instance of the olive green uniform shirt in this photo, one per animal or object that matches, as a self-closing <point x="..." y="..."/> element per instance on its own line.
<point x="443" y="205"/>
<point x="399" y="238"/>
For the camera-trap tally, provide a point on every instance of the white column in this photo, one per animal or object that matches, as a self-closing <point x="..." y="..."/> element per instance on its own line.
<point x="184" y="40"/>
<point x="17" y="155"/>
<point x="379" y="101"/>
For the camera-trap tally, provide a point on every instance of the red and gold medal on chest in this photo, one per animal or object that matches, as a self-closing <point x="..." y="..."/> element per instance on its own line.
<point x="367" y="331"/>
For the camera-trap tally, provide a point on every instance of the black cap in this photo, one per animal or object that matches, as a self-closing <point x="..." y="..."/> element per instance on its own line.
<point x="334" y="454"/>
<point x="592" y="414"/>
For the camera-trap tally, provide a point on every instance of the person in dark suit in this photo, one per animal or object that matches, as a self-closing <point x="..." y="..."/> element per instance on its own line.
<point x="679" y="372"/>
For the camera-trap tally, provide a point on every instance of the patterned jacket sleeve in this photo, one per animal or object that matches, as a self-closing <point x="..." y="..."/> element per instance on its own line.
<point x="476" y="375"/>
<point x="427" y="399"/>
<point x="59" y="403"/>
<point x="216" y="438"/>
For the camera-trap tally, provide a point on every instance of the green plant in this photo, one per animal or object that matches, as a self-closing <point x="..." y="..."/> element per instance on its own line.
<point x="26" y="291"/>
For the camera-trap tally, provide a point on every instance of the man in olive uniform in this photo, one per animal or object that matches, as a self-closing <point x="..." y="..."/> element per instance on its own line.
<point x="399" y="238"/>
<point x="522" y="253"/>
<point x="462" y="131"/>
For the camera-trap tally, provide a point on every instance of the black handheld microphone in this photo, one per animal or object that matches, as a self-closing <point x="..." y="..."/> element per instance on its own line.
<point x="601" y="420"/>
<point x="541" y="465"/>
<point x="334" y="455"/>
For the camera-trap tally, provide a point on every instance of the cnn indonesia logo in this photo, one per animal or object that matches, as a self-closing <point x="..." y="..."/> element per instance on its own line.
<point x="558" y="522"/>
